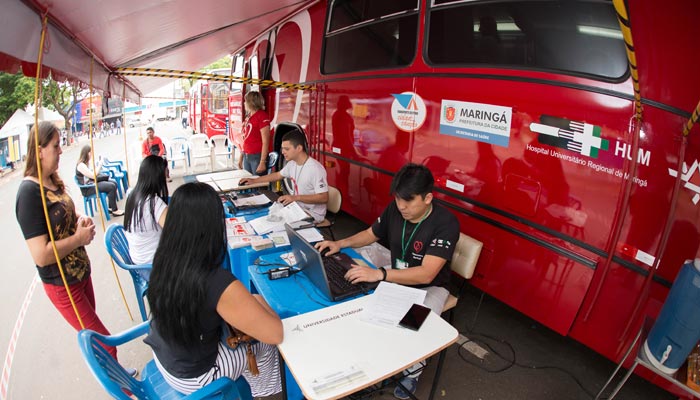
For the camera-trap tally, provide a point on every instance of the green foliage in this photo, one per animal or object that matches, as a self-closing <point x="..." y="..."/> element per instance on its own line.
<point x="224" y="62"/>
<point x="16" y="91"/>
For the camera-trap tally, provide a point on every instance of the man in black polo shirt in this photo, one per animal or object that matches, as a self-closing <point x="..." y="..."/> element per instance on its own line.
<point x="421" y="237"/>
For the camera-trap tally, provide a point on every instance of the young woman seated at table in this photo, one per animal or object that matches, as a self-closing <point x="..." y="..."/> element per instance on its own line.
<point x="146" y="208"/>
<point x="191" y="295"/>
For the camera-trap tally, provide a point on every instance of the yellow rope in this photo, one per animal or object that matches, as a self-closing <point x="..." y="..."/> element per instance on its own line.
<point x="171" y="73"/>
<point x="39" y="172"/>
<point x="97" y="192"/>
<point x="625" y="27"/>
<point x="691" y="121"/>
<point x="126" y="152"/>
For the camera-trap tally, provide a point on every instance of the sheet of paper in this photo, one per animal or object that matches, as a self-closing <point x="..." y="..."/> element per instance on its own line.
<point x="289" y="258"/>
<point x="293" y="212"/>
<point x="310" y="234"/>
<point x="257" y="200"/>
<point x="235" y="242"/>
<point x="279" y="238"/>
<point x="239" y="173"/>
<point x="338" y="379"/>
<point x="263" y="225"/>
<point x="389" y="303"/>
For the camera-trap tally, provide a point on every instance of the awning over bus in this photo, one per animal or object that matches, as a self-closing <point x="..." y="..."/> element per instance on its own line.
<point x="177" y="34"/>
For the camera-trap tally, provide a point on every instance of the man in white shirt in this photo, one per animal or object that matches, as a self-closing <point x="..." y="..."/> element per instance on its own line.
<point x="308" y="177"/>
<point x="185" y="116"/>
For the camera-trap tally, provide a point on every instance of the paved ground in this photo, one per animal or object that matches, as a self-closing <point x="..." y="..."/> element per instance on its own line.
<point x="42" y="360"/>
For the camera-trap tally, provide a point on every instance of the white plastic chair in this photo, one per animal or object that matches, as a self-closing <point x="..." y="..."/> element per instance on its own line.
<point x="335" y="201"/>
<point x="179" y="150"/>
<point x="200" y="149"/>
<point x="222" y="148"/>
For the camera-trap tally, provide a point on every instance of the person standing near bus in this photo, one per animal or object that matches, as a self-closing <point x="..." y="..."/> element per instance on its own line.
<point x="256" y="135"/>
<point x="185" y="116"/>
<point x="71" y="231"/>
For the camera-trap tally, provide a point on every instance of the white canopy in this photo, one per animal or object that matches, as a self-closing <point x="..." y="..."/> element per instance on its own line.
<point x="177" y="34"/>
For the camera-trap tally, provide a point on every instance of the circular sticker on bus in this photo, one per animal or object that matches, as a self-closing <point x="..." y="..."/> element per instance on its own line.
<point x="408" y="111"/>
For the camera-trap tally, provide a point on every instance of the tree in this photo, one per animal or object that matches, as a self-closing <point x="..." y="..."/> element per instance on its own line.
<point x="63" y="97"/>
<point x="224" y="62"/>
<point x="16" y="91"/>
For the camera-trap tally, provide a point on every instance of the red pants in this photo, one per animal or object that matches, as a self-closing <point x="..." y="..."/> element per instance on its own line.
<point x="84" y="298"/>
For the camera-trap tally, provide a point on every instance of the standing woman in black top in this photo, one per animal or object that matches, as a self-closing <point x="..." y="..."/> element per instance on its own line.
<point x="71" y="231"/>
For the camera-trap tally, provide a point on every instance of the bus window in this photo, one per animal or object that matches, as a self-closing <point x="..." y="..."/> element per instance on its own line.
<point x="575" y="37"/>
<point x="253" y="72"/>
<point x="382" y="34"/>
<point x="238" y="61"/>
<point x="219" y="97"/>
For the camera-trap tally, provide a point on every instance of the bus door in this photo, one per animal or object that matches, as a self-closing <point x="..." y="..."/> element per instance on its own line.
<point x="236" y="112"/>
<point x="204" y="107"/>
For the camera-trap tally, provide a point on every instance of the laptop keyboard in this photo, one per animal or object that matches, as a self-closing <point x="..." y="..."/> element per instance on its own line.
<point x="335" y="271"/>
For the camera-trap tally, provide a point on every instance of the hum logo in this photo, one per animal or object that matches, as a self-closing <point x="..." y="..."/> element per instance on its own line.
<point x="624" y="150"/>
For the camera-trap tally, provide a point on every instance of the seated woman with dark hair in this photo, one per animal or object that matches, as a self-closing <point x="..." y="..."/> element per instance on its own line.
<point x="191" y="295"/>
<point x="87" y="176"/>
<point x="146" y="208"/>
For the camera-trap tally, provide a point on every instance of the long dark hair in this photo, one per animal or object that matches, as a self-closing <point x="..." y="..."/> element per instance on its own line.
<point x="150" y="184"/>
<point x="192" y="244"/>
<point x="47" y="132"/>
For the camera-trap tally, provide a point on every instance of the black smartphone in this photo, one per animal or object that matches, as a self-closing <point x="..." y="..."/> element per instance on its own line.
<point x="414" y="317"/>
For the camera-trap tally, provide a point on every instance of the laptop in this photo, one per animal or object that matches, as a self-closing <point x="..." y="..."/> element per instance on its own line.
<point x="326" y="273"/>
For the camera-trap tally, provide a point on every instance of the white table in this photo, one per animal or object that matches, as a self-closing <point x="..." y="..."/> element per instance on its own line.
<point x="332" y="353"/>
<point x="228" y="180"/>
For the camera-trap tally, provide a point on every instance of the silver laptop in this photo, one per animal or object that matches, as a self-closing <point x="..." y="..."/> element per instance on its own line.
<point x="326" y="273"/>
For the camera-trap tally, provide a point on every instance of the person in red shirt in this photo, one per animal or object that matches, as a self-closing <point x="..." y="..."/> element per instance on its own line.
<point x="256" y="135"/>
<point x="153" y="145"/>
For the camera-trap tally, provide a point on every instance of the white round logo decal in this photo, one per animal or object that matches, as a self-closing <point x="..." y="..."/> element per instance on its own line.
<point x="408" y="111"/>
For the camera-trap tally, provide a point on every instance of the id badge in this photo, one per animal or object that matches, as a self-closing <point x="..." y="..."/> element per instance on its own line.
<point x="401" y="264"/>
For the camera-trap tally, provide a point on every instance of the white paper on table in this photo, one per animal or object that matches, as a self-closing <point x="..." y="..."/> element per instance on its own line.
<point x="257" y="200"/>
<point x="293" y="212"/>
<point x="311" y="235"/>
<point x="289" y="258"/>
<point x="389" y="303"/>
<point x="279" y="238"/>
<point x="263" y="225"/>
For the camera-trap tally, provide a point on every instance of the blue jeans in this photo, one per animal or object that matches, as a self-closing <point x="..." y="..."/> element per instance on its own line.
<point x="251" y="162"/>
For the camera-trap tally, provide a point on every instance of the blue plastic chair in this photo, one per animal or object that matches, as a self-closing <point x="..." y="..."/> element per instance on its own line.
<point x="118" y="248"/>
<point x="119" y="178"/>
<point x="90" y="201"/>
<point x="115" y="380"/>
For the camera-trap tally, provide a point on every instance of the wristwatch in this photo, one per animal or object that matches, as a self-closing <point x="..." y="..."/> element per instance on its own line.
<point x="383" y="273"/>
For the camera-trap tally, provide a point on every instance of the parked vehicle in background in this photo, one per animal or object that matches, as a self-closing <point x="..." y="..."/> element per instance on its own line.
<point x="134" y="122"/>
<point x="208" y="105"/>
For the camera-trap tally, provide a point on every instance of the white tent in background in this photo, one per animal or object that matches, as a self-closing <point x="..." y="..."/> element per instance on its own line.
<point x="16" y="132"/>
<point x="48" y="115"/>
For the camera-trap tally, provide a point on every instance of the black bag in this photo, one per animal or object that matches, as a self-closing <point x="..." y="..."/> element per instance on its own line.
<point x="102" y="177"/>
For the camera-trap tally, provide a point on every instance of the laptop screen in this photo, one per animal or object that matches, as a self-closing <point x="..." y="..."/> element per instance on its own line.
<point x="309" y="260"/>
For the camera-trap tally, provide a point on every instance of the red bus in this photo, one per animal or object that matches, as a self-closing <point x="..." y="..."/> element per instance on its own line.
<point x="208" y="104"/>
<point x="525" y="113"/>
